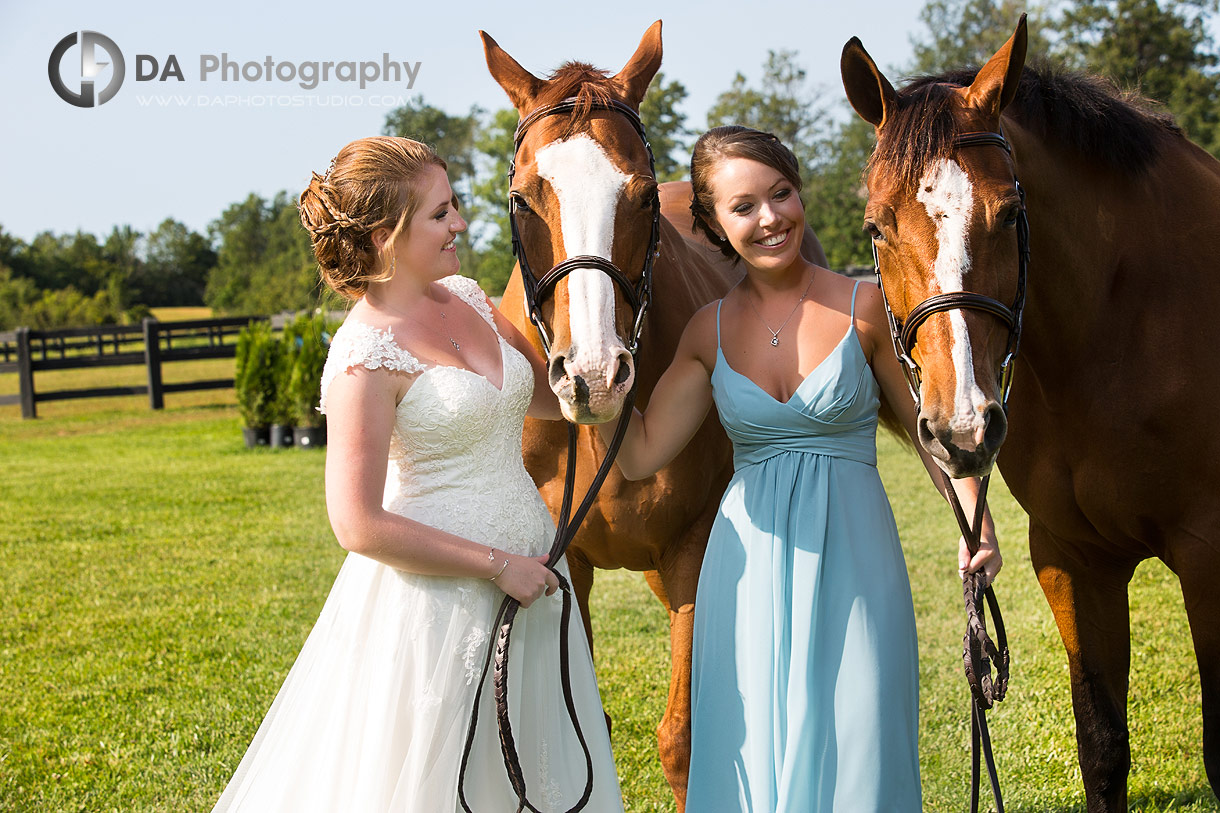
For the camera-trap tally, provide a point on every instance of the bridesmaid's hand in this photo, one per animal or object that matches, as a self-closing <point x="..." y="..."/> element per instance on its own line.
<point x="988" y="558"/>
<point x="527" y="579"/>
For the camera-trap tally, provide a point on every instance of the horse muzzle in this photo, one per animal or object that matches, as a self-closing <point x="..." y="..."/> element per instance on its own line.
<point x="591" y="386"/>
<point x="964" y="448"/>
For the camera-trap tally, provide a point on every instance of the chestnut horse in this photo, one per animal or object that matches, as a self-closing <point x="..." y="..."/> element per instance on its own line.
<point x="1124" y="229"/>
<point x="582" y="186"/>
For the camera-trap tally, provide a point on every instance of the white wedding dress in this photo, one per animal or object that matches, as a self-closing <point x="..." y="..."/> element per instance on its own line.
<point x="373" y="714"/>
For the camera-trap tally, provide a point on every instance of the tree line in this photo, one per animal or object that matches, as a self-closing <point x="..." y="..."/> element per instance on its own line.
<point x="255" y="257"/>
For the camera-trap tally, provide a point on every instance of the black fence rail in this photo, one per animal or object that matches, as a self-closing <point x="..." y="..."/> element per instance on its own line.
<point x="151" y="344"/>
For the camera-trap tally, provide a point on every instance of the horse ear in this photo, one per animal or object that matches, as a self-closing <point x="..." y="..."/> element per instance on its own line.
<point x="870" y="93"/>
<point x="636" y="75"/>
<point x="520" y="85"/>
<point x="996" y="84"/>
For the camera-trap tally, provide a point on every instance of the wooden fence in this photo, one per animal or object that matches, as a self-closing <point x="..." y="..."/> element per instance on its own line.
<point x="151" y="344"/>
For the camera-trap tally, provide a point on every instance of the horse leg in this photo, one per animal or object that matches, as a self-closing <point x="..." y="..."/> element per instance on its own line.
<point x="674" y="583"/>
<point x="1195" y="562"/>
<point x="1088" y="596"/>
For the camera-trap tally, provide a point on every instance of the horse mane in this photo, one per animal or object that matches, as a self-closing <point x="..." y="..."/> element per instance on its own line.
<point x="1081" y="112"/>
<point x="581" y="81"/>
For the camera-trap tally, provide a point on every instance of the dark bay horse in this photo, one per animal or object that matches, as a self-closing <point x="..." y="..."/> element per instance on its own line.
<point x="582" y="186"/>
<point x="1114" y="362"/>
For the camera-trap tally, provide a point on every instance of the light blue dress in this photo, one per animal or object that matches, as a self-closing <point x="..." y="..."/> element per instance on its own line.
<point x="804" y="689"/>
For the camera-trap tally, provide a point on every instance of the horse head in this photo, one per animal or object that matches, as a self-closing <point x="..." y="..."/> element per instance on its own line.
<point x="583" y="203"/>
<point x="946" y="215"/>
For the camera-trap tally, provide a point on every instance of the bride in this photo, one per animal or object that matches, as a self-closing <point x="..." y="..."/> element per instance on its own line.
<point x="425" y="388"/>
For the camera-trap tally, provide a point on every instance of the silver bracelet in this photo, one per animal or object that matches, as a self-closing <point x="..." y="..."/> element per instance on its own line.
<point x="503" y="567"/>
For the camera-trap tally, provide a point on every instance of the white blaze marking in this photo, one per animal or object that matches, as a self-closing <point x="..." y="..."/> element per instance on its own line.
<point x="947" y="194"/>
<point x="588" y="185"/>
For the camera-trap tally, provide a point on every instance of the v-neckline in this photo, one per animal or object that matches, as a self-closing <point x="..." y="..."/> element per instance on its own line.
<point x="720" y="351"/>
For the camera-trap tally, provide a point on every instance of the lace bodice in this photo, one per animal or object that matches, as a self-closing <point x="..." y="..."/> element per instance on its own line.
<point x="455" y="453"/>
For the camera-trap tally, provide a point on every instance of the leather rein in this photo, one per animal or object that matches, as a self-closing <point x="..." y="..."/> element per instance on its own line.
<point x="979" y="650"/>
<point x="536" y="292"/>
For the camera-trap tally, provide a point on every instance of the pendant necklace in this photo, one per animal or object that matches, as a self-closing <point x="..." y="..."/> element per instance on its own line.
<point x="775" y="333"/>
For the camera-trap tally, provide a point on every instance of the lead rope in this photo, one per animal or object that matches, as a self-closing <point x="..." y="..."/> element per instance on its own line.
<point x="565" y="530"/>
<point x="979" y="651"/>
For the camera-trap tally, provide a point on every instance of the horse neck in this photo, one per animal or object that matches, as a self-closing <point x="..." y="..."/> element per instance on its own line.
<point x="1074" y="244"/>
<point x="1112" y="250"/>
<point x="686" y="276"/>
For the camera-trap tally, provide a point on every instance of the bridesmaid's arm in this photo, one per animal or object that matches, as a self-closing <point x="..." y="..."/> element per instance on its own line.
<point x="873" y="326"/>
<point x="677" y="406"/>
<point x="545" y="404"/>
<point x="361" y="407"/>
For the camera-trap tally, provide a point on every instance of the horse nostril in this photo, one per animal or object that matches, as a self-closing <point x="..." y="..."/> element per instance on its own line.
<point x="925" y="432"/>
<point x="997" y="428"/>
<point x="623" y="374"/>
<point x="557" y="369"/>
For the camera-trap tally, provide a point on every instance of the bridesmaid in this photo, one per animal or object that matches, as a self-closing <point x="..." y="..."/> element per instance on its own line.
<point x="805" y="672"/>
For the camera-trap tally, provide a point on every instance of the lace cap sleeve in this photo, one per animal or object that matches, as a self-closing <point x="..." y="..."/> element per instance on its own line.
<point x="356" y="344"/>
<point x="469" y="292"/>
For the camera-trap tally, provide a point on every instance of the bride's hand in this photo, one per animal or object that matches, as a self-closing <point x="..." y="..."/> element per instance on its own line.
<point x="527" y="579"/>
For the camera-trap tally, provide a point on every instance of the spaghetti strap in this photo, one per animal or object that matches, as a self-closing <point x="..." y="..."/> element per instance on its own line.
<point x="855" y="288"/>
<point x="718" y="304"/>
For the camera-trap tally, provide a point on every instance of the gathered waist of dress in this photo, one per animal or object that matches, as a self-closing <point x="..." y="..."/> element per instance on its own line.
<point x="859" y="446"/>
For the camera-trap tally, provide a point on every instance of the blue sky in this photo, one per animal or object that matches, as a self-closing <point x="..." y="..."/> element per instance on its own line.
<point x="189" y="149"/>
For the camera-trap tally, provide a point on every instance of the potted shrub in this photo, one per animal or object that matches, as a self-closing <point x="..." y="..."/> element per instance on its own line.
<point x="305" y="384"/>
<point x="284" y="419"/>
<point x="254" y="381"/>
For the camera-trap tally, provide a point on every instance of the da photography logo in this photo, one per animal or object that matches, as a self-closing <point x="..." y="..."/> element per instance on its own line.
<point x="79" y="89"/>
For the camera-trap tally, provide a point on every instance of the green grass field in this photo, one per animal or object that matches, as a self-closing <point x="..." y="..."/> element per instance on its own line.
<point x="159" y="579"/>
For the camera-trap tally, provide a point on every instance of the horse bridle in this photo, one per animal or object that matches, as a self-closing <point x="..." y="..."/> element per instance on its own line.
<point x="538" y="289"/>
<point x="979" y="651"/>
<point x="904" y="333"/>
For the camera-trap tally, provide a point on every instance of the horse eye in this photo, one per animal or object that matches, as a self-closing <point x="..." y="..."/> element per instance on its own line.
<point x="1010" y="216"/>
<point x="519" y="203"/>
<point x="874" y="233"/>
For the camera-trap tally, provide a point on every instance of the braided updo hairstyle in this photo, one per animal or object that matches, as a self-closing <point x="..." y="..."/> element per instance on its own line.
<point x="732" y="141"/>
<point x="370" y="185"/>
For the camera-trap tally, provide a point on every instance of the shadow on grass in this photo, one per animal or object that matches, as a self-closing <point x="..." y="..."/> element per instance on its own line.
<point x="1158" y="800"/>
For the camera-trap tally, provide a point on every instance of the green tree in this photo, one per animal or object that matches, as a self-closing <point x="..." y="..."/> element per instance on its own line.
<point x="783" y="104"/>
<point x="666" y="127"/>
<point x="835" y="193"/>
<point x="968" y="32"/>
<point x="17" y="294"/>
<point x="1162" y="49"/>
<point x="489" y="230"/>
<point x="176" y="265"/>
<point x="264" y="261"/>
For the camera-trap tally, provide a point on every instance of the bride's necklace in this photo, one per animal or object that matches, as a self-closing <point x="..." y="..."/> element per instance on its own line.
<point x="775" y="333"/>
<point x="444" y="323"/>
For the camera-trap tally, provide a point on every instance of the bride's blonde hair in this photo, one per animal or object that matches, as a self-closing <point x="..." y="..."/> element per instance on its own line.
<point x="371" y="184"/>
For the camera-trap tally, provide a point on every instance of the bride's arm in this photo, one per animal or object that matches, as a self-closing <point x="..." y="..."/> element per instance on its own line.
<point x="360" y="407"/>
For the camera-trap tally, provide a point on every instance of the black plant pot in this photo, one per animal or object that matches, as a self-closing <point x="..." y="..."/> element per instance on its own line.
<point x="307" y="437"/>
<point x="281" y="436"/>
<point x="256" y="436"/>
